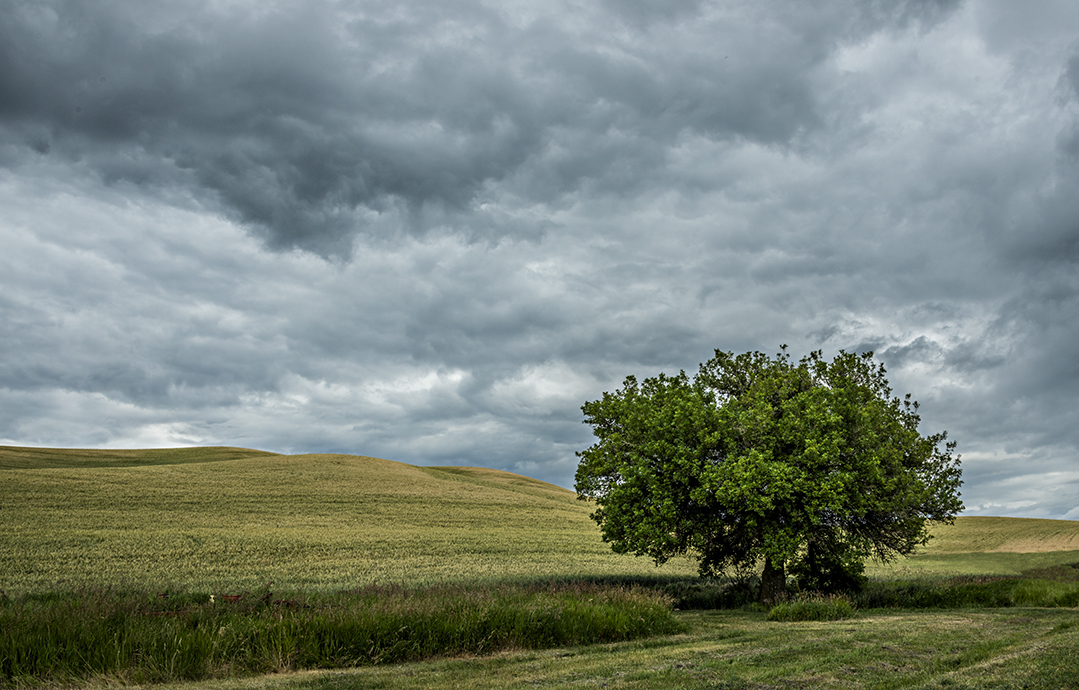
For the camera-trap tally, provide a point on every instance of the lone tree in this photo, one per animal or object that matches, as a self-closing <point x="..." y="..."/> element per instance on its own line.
<point x="811" y="466"/>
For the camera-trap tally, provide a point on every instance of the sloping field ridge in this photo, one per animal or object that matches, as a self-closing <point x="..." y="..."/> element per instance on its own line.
<point x="19" y="457"/>
<point x="235" y="519"/>
<point x="978" y="534"/>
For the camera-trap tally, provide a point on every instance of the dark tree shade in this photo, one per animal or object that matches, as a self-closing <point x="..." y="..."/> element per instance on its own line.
<point x="812" y="464"/>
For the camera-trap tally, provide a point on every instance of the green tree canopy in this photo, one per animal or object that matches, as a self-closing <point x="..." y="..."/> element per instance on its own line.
<point x="811" y="464"/>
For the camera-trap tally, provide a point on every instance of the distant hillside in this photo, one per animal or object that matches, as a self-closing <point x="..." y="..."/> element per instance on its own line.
<point x="988" y="546"/>
<point x="238" y="518"/>
<point x="22" y="458"/>
<point x="1005" y="535"/>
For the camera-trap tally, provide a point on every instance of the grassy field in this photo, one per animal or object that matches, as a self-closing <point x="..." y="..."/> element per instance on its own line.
<point x="736" y="650"/>
<point x="989" y="546"/>
<point x="228" y="521"/>
<point x="231" y="518"/>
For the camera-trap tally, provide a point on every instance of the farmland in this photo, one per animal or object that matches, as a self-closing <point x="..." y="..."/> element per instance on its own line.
<point x="219" y="522"/>
<point x="229" y="520"/>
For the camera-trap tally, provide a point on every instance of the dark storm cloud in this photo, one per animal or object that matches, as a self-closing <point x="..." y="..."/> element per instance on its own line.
<point x="307" y="121"/>
<point x="528" y="201"/>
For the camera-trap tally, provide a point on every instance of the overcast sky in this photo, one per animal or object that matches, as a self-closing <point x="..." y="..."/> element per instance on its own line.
<point x="430" y="230"/>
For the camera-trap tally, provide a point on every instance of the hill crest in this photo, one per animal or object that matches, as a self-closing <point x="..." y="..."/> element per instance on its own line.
<point x="241" y="517"/>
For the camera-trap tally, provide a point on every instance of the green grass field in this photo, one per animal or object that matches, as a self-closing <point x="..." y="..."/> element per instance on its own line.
<point x="734" y="650"/>
<point x="229" y="520"/>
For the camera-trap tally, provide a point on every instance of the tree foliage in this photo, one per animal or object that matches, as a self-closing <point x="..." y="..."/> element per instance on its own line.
<point x="811" y="464"/>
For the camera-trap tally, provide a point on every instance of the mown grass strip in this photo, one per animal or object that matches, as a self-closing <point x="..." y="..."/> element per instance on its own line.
<point x="1003" y="649"/>
<point x="144" y="637"/>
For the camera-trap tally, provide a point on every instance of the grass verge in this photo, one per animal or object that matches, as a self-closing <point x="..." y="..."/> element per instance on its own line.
<point x="145" y="637"/>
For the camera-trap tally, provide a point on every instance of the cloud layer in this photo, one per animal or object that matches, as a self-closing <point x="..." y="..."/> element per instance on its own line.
<point x="430" y="231"/>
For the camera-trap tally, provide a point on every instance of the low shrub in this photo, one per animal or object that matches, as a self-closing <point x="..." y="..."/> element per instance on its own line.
<point x="813" y="607"/>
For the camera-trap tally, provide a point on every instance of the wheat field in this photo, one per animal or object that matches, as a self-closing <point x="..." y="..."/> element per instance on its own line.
<point x="235" y="519"/>
<point x="230" y="518"/>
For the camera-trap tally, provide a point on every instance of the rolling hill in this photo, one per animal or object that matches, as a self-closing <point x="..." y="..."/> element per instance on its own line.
<point x="238" y="518"/>
<point x="235" y="518"/>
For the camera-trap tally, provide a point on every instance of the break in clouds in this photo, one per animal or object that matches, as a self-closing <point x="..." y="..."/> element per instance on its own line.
<point x="429" y="231"/>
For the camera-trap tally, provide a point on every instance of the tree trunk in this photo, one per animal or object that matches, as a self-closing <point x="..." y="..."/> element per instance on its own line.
<point x="773" y="582"/>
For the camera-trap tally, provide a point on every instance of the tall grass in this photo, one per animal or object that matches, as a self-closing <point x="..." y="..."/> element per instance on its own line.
<point x="145" y="637"/>
<point x="1056" y="587"/>
<point x="813" y="607"/>
<point x="969" y="592"/>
